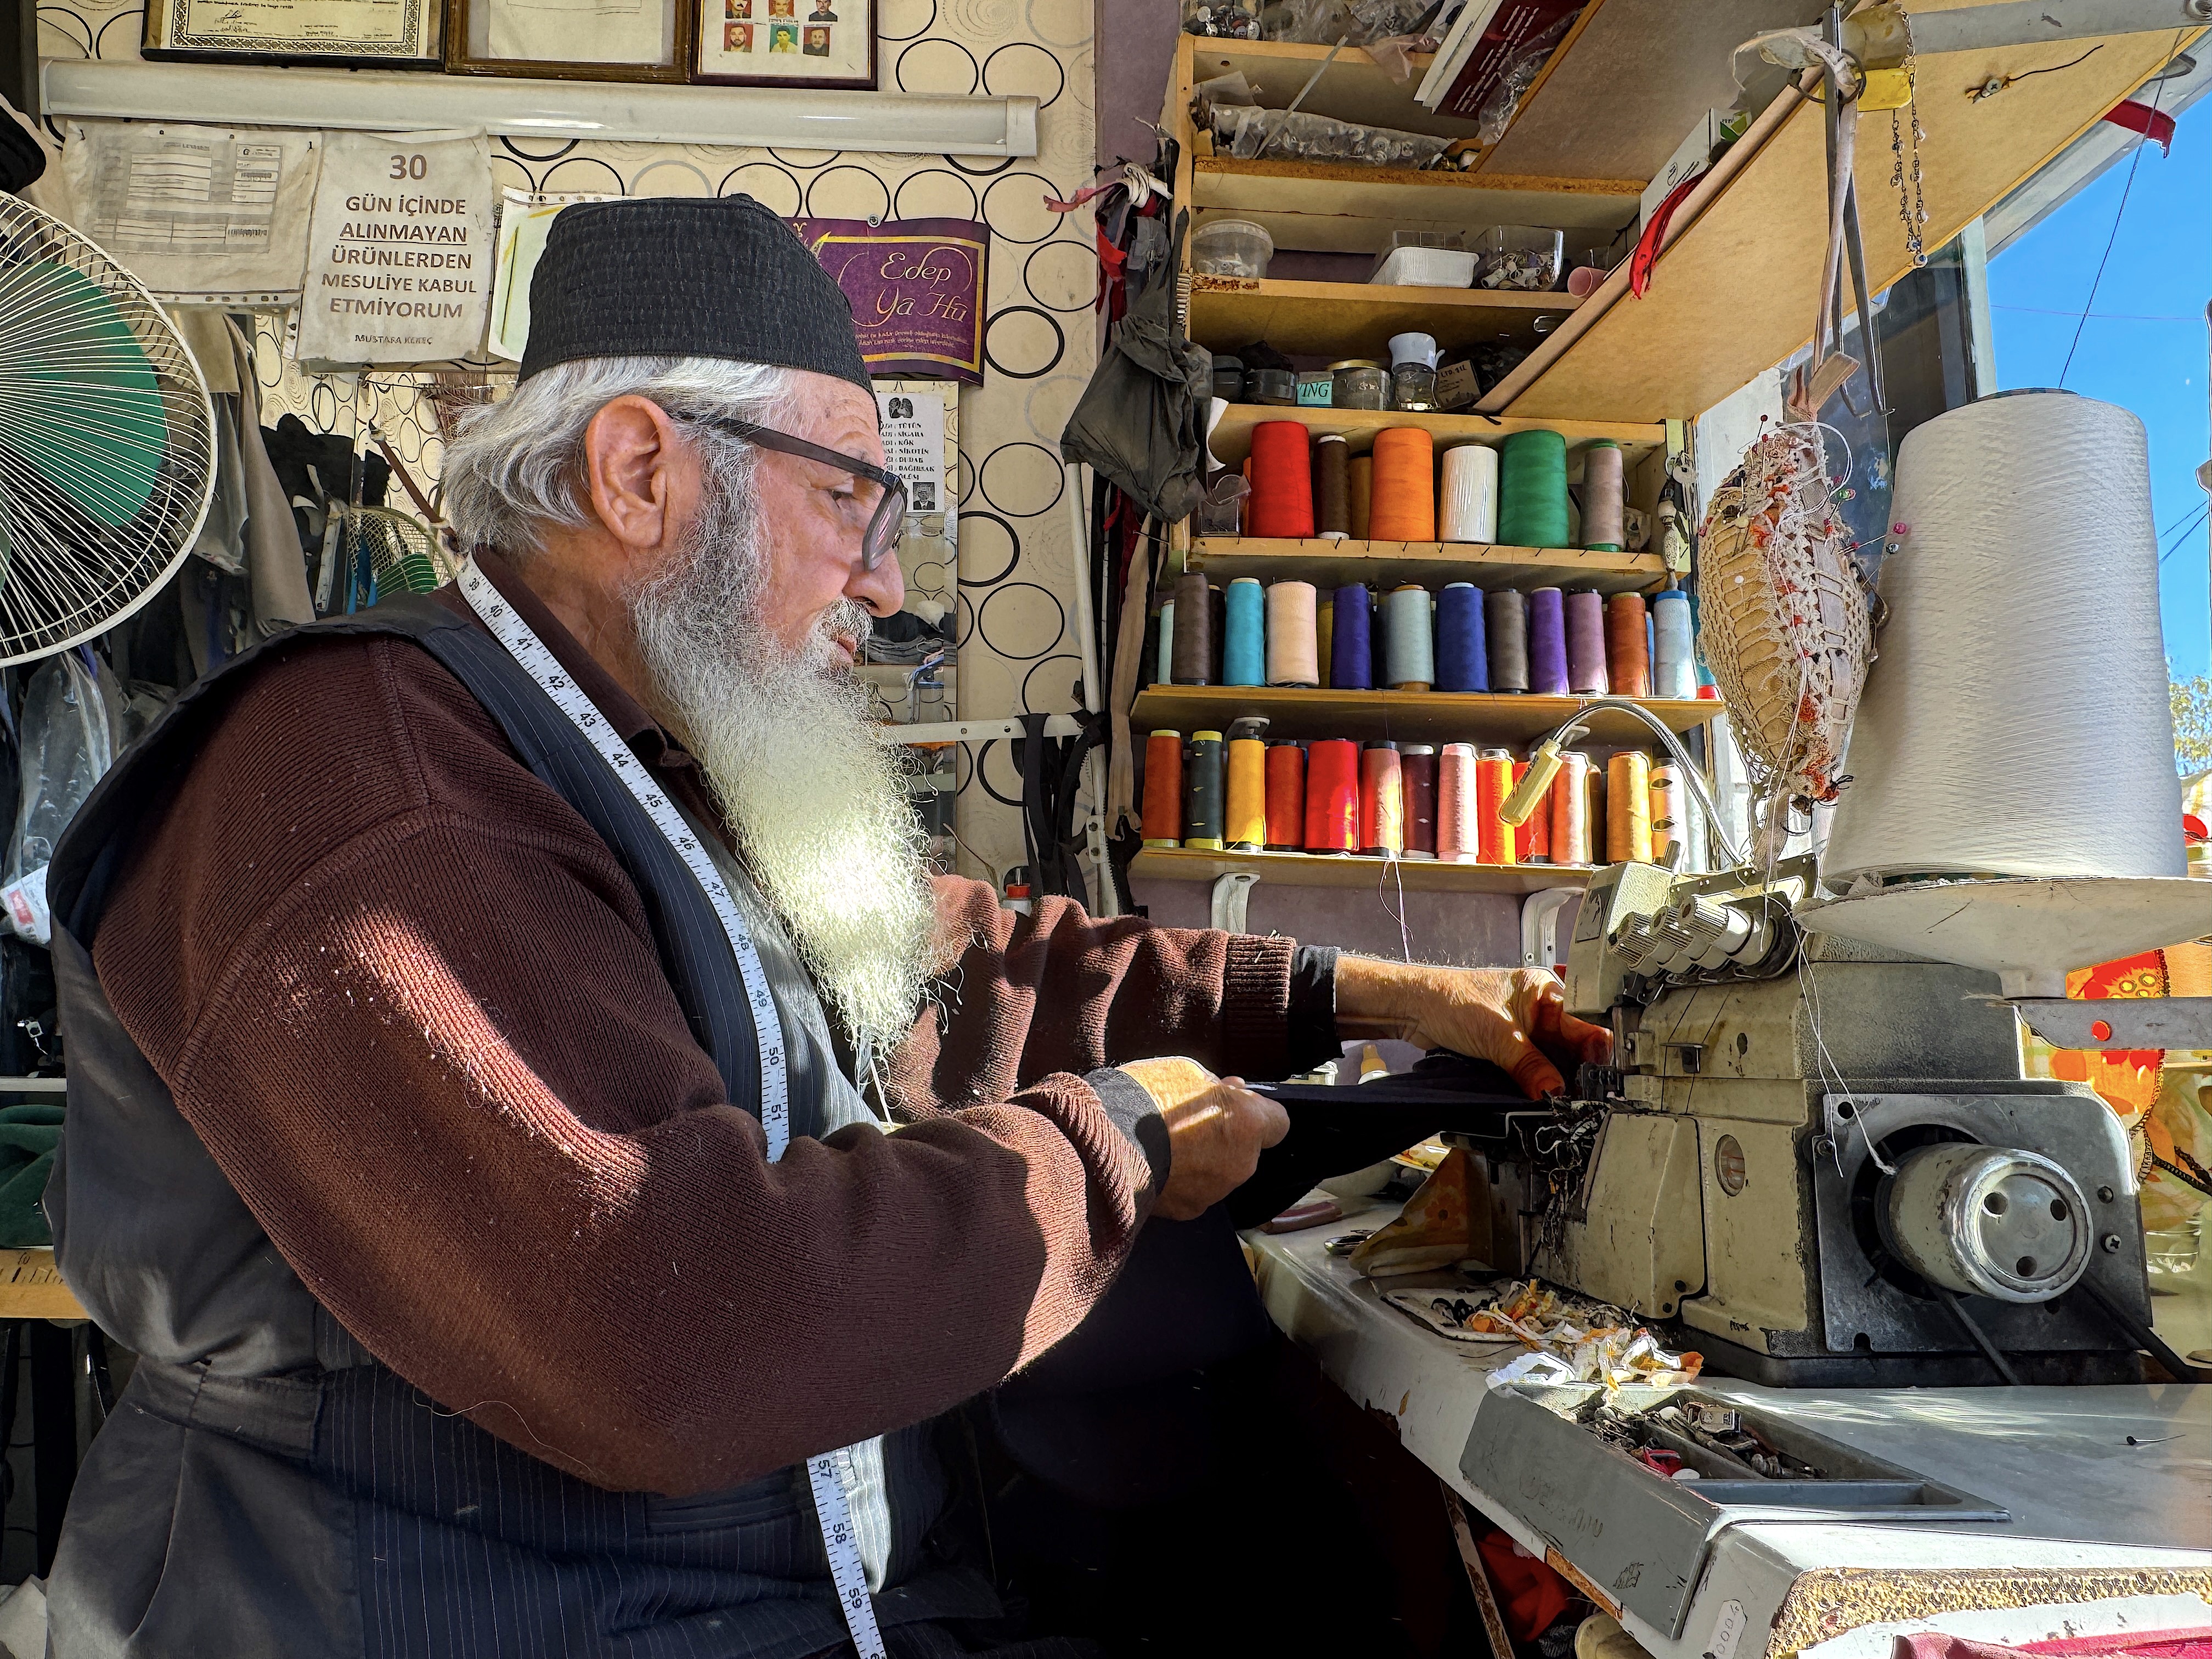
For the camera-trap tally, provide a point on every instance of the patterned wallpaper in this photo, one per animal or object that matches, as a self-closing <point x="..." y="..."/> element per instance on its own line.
<point x="1017" y="641"/>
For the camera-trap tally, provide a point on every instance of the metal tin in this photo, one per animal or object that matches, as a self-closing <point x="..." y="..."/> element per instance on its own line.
<point x="1361" y="384"/>
<point x="1272" y="385"/>
<point x="1316" y="388"/>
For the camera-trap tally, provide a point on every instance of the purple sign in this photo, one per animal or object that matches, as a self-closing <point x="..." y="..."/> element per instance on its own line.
<point x="916" y="287"/>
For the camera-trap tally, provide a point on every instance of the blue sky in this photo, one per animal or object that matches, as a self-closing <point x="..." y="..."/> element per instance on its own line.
<point x="2144" y="346"/>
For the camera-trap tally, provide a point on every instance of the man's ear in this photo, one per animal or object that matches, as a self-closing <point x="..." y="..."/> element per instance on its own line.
<point x="630" y="450"/>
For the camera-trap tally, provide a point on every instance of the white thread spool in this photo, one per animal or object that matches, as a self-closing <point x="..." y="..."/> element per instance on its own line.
<point x="1469" y="509"/>
<point x="2016" y="722"/>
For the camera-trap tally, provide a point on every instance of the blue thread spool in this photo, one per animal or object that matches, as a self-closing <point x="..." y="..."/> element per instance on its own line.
<point x="1244" y="647"/>
<point x="1462" y="652"/>
<point x="1674" y="658"/>
<point x="1408" y="640"/>
<point x="1352" y="658"/>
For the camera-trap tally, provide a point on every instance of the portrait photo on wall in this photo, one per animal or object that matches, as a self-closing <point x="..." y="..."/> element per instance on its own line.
<point x="808" y="43"/>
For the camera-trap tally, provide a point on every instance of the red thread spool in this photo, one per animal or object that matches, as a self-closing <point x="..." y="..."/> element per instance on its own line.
<point x="1382" y="801"/>
<point x="1404" y="506"/>
<point x="1417" y="762"/>
<point x="1163" y="817"/>
<point x="1493" y="782"/>
<point x="1332" y="796"/>
<point x="1282" y="504"/>
<point x="1287" y="797"/>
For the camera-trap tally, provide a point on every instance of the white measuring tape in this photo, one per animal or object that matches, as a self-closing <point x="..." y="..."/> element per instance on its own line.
<point x="825" y="1474"/>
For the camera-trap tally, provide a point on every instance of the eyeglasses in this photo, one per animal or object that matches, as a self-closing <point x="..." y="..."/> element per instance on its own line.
<point x="883" y="533"/>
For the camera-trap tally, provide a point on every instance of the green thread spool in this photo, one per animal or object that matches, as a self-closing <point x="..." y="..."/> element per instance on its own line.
<point x="1204" y="811"/>
<point x="1532" y="490"/>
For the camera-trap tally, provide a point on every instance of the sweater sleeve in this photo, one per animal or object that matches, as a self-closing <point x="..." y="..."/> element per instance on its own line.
<point x="1061" y="990"/>
<point x="412" y="1006"/>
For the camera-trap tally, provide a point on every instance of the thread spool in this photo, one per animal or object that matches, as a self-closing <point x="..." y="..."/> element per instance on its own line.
<point x="1531" y="839"/>
<point x="1493" y="773"/>
<point x="1628" y="648"/>
<point x="1594" y="812"/>
<point x="1604" y="496"/>
<point x="1547" y="642"/>
<point x="1243" y="642"/>
<point x="1417" y="771"/>
<point x="1532" y="490"/>
<point x="1462" y="643"/>
<point x="1570" y="804"/>
<point x="1164" y="665"/>
<point x="1333" y="487"/>
<point x="1245" y="823"/>
<point x="1351" y="655"/>
<point x="1506" y="619"/>
<point x="1458" y="841"/>
<point x="1586" y="674"/>
<point x="1325" y="638"/>
<point x="1469" y="494"/>
<point x="1411" y="645"/>
<point x="1287" y="797"/>
<point x="1628" y="808"/>
<point x="1382" y="801"/>
<point x="1291" y="658"/>
<point x="1404" y="504"/>
<point x="1204" y="808"/>
<point x="1192" y="655"/>
<point x="1163" y="813"/>
<point x="1674" y="650"/>
<point x="1666" y="811"/>
<point x="1332" y="796"/>
<point x="1363" y="495"/>
<point x="1282" y="503"/>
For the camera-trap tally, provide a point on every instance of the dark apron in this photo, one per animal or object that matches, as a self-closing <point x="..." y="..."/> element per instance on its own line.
<point x="265" y="1489"/>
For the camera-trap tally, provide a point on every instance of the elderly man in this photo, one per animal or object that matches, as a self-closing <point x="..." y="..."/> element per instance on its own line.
<point x="550" y="1144"/>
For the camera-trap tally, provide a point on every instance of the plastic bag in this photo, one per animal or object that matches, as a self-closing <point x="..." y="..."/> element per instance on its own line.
<point x="73" y="724"/>
<point x="1295" y="136"/>
<point x="1497" y="110"/>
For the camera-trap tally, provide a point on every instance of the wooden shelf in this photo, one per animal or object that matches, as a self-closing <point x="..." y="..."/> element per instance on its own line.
<point x="1355" y="88"/>
<point x="31" y="1287"/>
<point x="1330" y="208"/>
<point x="1232" y="440"/>
<point x="1731" y="295"/>
<point x="1388" y="564"/>
<point x="1315" y="869"/>
<point x="1414" y="716"/>
<point x="1356" y="320"/>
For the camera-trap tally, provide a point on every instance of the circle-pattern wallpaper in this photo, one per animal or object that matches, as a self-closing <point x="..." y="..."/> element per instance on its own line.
<point x="1017" y="645"/>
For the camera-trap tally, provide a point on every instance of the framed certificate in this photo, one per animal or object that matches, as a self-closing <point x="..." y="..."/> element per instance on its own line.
<point x="335" y="33"/>
<point x="572" y="40"/>
<point x="787" y="43"/>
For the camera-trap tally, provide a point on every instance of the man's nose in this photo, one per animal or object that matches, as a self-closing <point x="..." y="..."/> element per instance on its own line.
<point x="882" y="590"/>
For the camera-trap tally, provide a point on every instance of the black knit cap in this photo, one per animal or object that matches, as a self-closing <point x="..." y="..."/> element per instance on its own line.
<point x="686" y="276"/>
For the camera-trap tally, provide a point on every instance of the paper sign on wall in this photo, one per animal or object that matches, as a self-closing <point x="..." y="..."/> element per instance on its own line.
<point x="399" y="251"/>
<point x="524" y="220"/>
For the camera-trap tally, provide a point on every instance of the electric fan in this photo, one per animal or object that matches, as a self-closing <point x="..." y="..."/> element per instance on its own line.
<point x="107" y="439"/>
<point x="387" y="551"/>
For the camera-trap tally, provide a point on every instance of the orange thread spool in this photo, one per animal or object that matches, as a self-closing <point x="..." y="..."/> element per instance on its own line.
<point x="1287" y="797"/>
<point x="1532" y="841"/>
<point x="1332" y="796"/>
<point x="1382" y="801"/>
<point x="1627" y="650"/>
<point x="1363" y="498"/>
<point x="1458" y="841"/>
<point x="1404" y="508"/>
<point x="1282" y="481"/>
<point x="1493" y="782"/>
<point x="1628" y="808"/>
<point x="1570" y="804"/>
<point x="1162" y="816"/>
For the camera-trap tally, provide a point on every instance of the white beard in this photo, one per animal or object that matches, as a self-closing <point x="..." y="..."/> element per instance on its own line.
<point x="815" y="801"/>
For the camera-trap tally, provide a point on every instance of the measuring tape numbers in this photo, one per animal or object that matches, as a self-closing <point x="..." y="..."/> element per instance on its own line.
<point x="825" y="1474"/>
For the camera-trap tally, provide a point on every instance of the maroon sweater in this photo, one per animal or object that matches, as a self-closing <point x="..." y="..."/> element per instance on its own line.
<point x="411" y="1004"/>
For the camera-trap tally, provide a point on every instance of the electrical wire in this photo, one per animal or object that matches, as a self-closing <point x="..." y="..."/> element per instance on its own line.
<point x="2134" y="159"/>
<point x="2196" y="523"/>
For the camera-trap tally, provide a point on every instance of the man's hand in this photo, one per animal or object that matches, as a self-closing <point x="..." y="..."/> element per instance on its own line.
<point x="1514" y="1018"/>
<point x="1217" y="1128"/>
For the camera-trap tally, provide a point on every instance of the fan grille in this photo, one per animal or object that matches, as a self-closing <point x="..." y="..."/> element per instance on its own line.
<point x="107" y="439"/>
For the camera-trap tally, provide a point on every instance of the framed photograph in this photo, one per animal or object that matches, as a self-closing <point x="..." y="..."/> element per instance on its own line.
<point x="785" y="42"/>
<point x="576" y="40"/>
<point x="333" y="33"/>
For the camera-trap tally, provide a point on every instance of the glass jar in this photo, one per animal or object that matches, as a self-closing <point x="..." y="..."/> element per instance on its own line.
<point x="1414" y="388"/>
<point x="1272" y="385"/>
<point x="1361" y="383"/>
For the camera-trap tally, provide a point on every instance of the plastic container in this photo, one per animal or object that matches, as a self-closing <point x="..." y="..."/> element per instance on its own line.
<point x="1316" y="388"/>
<point x="1231" y="247"/>
<point x="1278" y="386"/>
<point x="1426" y="267"/>
<point x="1412" y="373"/>
<point x="1526" y="257"/>
<point x="1361" y="383"/>
<point x="1229" y="378"/>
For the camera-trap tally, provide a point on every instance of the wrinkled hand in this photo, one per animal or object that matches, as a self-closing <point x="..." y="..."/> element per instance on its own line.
<point x="1515" y="1017"/>
<point x="1217" y="1128"/>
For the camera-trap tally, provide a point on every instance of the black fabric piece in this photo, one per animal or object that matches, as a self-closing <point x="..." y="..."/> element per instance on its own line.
<point x="714" y="277"/>
<point x="1136" y="1114"/>
<point x="1313" y="1007"/>
<point x="1052" y="777"/>
<point x="21" y="161"/>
